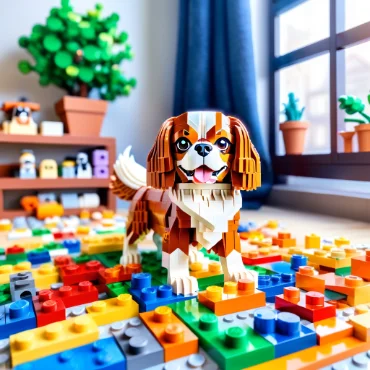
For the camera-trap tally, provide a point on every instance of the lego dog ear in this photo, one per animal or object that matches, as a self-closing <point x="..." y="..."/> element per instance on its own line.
<point x="246" y="166"/>
<point x="160" y="167"/>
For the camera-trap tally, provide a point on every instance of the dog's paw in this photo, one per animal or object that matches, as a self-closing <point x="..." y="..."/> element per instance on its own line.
<point x="130" y="257"/>
<point x="244" y="274"/>
<point x="186" y="285"/>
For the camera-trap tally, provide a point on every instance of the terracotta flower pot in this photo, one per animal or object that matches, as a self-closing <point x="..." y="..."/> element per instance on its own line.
<point x="347" y="138"/>
<point x="294" y="133"/>
<point x="81" y="116"/>
<point x="363" y="136"/>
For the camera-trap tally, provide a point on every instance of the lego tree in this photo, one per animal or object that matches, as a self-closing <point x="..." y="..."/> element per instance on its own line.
<point x="79" y="53"/>
<point x="353" y="105"/>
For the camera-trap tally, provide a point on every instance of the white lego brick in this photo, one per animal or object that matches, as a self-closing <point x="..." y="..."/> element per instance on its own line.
<point x="52" y="128"/>
<point x="19" y="234"/>
<point x="58" y="252"/>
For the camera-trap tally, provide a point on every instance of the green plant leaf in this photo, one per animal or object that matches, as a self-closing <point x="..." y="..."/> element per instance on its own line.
<point x="72" y="71"/>
<point x="63" y="59"/>
<point x="24" y="66"/>
<point x="92" y="53"/>
<point x="54" y="24"/>
<point x="86" y="74"/>
<point x="52" y="43"/>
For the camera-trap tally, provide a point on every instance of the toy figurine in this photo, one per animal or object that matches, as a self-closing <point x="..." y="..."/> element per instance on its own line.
<point x="20" y="118"/>
<point x="190" y="193"/>
<point x="68" y="169"/>
<point x="27" y="165"/>
<point x="83" y="167"/>
<point x="48" y="169"/>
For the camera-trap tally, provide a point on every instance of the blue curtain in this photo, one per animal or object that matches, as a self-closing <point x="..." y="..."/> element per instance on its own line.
<point x="215" y="70"/>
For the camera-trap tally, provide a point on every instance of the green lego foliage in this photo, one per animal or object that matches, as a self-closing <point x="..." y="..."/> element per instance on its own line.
<point x="291" y="110"/>
<point x="78" y="53"/>
<point x="109" y="259"/>
<point x="5" y="296"/>
<point x="352" y="105"/>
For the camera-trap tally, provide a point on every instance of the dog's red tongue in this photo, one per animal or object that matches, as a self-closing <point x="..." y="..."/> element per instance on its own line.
<point x="202" y="174"/>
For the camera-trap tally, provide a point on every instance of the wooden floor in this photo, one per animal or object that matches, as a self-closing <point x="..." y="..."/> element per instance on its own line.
<point x="301" y="223"/>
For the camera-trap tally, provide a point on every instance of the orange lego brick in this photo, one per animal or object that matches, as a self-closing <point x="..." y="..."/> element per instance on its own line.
<point x="214" y="269"/>
<point x="360" y="266"/>
<point x="317" y="357"/>
<point x="361" y="326"/>
<point x="118" y="273"/>
<point x="175" y="337"/>
<point x="284" y="240"/>
<point x="233" y="297"/>
<point x="306" y="279"/>
<point x="331" y="330"/>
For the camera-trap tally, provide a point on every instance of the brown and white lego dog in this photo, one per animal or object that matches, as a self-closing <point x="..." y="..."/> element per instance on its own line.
<point x="191" y="197"/>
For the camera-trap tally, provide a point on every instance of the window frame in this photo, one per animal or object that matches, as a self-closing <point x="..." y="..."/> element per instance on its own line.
<point x="336" y="165"/>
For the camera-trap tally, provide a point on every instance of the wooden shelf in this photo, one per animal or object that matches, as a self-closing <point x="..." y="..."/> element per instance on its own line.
<point x="57" y="140"/>
<point x="14" y="183"/>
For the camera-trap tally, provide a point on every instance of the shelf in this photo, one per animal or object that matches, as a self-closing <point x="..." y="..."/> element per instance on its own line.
<point x="57" y="140"/>
<point x="14" y="183"/>
<point x="67" y="212"/>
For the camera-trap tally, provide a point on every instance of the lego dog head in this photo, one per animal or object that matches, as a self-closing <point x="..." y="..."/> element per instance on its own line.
<point x="203" y="148"/>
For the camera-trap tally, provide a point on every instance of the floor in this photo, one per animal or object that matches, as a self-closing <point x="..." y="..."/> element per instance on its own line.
<point x="301" y="223"/>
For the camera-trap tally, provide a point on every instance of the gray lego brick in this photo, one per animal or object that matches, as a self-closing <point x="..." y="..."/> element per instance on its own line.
<point x="22" y="284"/>
<point x="138" y="345"/>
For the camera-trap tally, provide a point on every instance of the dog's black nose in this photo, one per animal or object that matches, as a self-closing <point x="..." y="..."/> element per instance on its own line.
<point x="203" y="149"/>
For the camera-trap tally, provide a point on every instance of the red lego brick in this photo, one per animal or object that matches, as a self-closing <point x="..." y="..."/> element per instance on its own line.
<point x="74" y="274"/>
<point x="60" y="235"/>
<point x="75" y="295"/>
<point x="61" y="261"/>
<point x="118" y="273"/>
<point x="257" y="257"/>
<point x="310" y="306"/>
<point x="48" y="309"/>
<point x="15" y="249"/>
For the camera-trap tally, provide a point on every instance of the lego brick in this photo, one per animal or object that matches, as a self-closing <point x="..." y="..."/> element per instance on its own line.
<point x="272" y="285"/>
<point x="175" y="338"/>
<point x="100" y="157"/>
<point x="307" y="279"/>
<point x="101" y="172"/>
<point x="233" y="297"/>
<point x="212" y="269"/>
<point x="48" y="310"/>
<point x="312" y="241"/>
<point x="118" y="273"/>
<point x="22" y="285"/>
<point x="360" y="266"/>
<point x="310" y="306"/>
<point x="7" y="270"/>
<point x="73" y="245"/>
<point x="19" y="316"/>
<point x="285" y="267"/>
<point x="73" y="274"/>
<point x="317" y="357"/>
<point x="115" y="289"/>
<point x="138" y="345"/>
<point x="263" y="255"/>
<point x="109" y="259"/>
<point x="103" y="354"/>
<point x="53" y="338"/>
<point x="107" y="311"/>
<point x="283" y="330"/>
<point x="102" y="243"/>
<point x="361" y="326"/>
<point x="149" y="297"/>
<point x="204" y="283"/>
<point x="38" y="256"/>
<point x="331" y="330"/>
<point x="333" y="258"/>
<point x="45" y="276"/>
<point x="284" y="240"/>
<point x="5" y="296"/>
<point x="62" y="261"/>
<point x="228" y="340"/>
<point x="51" y="128"/>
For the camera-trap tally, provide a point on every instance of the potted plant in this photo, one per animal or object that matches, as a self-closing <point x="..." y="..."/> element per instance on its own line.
<point x="79" y="54"/>
<point x="293" y="129"/>
<point x="353" y="105"/>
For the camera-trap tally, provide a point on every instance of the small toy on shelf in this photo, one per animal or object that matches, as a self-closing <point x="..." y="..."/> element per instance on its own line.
<point x="89" y="200"/>
<point x="49" y="209"/>
<point x="68" y="169"/>
<point x="100" y="161"/>
<point x="27" y="165"/>
<point x="20" y="117"/>
<point x="29" y="203"/>
<point x="83" y="167"/>
<point x="51" y="128"/>
<point x="294" y="130"/>
<point x="48" y="169"/>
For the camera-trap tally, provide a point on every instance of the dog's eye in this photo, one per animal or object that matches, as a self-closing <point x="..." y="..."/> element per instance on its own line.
<point x="223" y="144"/>
<point x="183" y="144"/>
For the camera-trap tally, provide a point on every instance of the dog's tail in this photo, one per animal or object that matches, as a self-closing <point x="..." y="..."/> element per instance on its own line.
<point x="128" y="176"/>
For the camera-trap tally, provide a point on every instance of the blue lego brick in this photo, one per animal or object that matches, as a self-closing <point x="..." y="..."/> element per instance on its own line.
<point x="283" y="330"/>
<point x="247" y="226"/>
<point x="2" y="318"/>
<point x="19" y="316"/>
<point x="283" y="267"/>
<point x="73" y="245"/>
<point x="103" y="354"/>
<point x="37" y="257"/>
<point x="150" y="297"/>
<point x="274" y="285"/>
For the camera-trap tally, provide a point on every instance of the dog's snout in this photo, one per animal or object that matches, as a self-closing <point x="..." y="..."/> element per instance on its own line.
<point x="203" y="149"/>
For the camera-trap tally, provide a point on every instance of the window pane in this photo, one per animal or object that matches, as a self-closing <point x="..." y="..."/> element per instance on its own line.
<point x="303" y="25"/>
<point x="310" y="83"/>
<point x="356" y="12"/>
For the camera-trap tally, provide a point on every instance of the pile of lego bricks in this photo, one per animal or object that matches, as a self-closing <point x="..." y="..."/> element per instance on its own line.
<point x="308" y="310"/>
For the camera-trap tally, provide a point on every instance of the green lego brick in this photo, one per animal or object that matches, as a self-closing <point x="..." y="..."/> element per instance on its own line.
<point x="343" y="271"/>
<point x="115" y="289"/>
<point x="13" y="259"/>
<point x="260" y="270"/>
<point x="204" y="283"/>
<point x="84" y="258"/>
<point x="40" y="232"/>
<point x="2" y="252"/>
<point x="53" y="246"/>
<point x="211" y="255"/>
<point x="5" y="296"/>
<point x="227" y="339"/>
<point x="109" y="259"/>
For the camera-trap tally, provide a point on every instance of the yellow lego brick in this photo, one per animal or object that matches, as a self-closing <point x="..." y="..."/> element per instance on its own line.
<point x="45" y="275"/>
<point x="335" y="258"/>
<point x="102" y="243"/>
<point x="312" y="241"/>
<point x="196" y="270"/>
<point x="361" y="326"/>
<point x="110" y="310"/>
<point x="31" y="244"/>
<point x="83" y="230"/>
<point x="317" y="357"/>
<point x="53" y="338"/>
<point x="341" y="241"/>
<point x="286" y="253"/>
<point x="7" y="270"/>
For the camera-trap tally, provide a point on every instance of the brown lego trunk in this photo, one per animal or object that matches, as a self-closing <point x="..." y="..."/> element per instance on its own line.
<point x="81" y="116"/>
<point x="294" y="134"/>
<point x="363" y="136"/>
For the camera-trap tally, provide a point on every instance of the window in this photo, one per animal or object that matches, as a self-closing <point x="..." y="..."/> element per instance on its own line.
<point x="319" y="51"/>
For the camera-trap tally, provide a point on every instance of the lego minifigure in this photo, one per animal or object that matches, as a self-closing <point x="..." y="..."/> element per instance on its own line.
<point x="27" y="163"/>
<point x="83" y="167"/>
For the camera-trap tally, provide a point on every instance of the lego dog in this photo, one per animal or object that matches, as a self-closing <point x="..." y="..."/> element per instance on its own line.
<point x="190" y="193"/>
